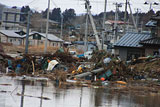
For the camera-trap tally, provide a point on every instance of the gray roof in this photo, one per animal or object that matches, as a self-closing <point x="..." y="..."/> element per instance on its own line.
<point x="50" y="21"/>
<point x="156" y="17"/>
<point x="51" y="37"/>
<point x="151" y="41"/>
<point x="132" y="40"/>
<point x="10" y="33"/>
<point x="151" y="23"/>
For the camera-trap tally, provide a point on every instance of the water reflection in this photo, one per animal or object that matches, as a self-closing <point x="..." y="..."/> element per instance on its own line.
<point x="22" y="93"/>
<point x="46" y="94"/>
<point x="41" y="94"/>
<point x="80" y="103"/>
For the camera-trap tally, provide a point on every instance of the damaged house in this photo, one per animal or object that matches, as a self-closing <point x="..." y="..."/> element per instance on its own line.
<point x="38" y="39"/>
<point x="152" y="44"/>
<point x="10" y="36"/>
<point x="134" y="45"/>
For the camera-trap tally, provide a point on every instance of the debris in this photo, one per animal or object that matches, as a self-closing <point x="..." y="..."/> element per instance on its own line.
<point x="102" y="67"/>
<point x="6" y="84"/>
<point x="121" y="82"/>
<point x="4" y="91"/>
<point x="89" y="73"/>
<point x="51" y="65"/>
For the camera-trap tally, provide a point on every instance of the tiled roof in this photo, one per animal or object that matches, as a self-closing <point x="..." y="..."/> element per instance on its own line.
<point x="156" y="18"/>
<point x="112" y="22"/>
<point x="132" y="40"/>
<point x="151" y="41"/>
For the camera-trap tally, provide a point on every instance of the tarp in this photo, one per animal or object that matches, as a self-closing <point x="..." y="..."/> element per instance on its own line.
<point x="51" y="65"/>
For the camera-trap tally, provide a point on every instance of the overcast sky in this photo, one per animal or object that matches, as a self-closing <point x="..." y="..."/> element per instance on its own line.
<point x="78" y="5"/>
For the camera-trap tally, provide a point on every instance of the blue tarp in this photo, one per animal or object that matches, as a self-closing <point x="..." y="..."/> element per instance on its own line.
<point x="81" y="55"/>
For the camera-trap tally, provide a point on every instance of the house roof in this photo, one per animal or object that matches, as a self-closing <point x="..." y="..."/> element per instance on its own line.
<point x="51" y="37"/>
<point x="151" y="23"/>
<point x="156" y="18"/>
<point x="11" y="33"/>
<point x="82" y="42"/>
<point x="50" y="21"/>
<point x="112" y="22"/>
<point x="132" y="40"/>
<point x="151" y="41"/>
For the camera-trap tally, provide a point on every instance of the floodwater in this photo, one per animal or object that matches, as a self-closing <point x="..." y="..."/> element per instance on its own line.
<point x="22" y="93"/>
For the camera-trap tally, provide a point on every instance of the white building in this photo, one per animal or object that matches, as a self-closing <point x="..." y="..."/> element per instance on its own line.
<point x="10" y="18"/>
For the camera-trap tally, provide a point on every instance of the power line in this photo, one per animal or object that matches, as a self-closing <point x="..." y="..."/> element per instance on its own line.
<point x="31" y="2"/>
<point x="54" y="4"/>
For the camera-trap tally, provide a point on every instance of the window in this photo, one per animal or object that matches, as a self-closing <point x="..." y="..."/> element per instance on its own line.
<point x="155" y="53"/>
<point x="6" y="18"/>
<point x="36" y="36"/>
<point x="10" y="40"/>
<point x="15" y="17"/>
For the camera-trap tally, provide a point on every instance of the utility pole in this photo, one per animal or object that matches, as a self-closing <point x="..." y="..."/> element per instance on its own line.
<point x="141" y="26"/>
<point x="93" y="25"/>
<point x="27" y="35"/>
<point x="86" y="29"/>
<point x="132" y="17"/>
<point x="137" y="17"/>
<point x="115" y="22"/>
<point x="41" y="22"/>
<point x="61" y="35"/>
<point x="125" y="16"/>
<point x="104" y="19"/>
<point x="150" y="7"/>
<point x="45" y="48"/>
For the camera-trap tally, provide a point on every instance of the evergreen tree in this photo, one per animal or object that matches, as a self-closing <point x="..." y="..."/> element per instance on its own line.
<point x="69" y="14"/>
<point x="56" y="14"/>
<point x="24" y="10"/>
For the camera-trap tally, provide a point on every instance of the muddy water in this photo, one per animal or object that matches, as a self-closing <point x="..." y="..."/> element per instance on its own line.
<point x="22" y="93"/>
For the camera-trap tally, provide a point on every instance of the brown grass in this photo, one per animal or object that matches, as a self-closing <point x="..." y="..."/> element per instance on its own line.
<point x="31" y="49"/>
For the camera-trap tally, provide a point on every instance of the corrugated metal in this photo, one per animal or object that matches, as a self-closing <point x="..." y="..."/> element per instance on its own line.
<point x="132" y="39"/>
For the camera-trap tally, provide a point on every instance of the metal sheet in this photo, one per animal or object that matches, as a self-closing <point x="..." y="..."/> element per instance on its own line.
<point x="132" y="39"/>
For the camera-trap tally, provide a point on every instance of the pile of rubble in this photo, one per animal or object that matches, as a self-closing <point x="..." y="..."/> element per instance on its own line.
<point x="145" y="68"/>
<point x="61" y="65"/>
<point x="53" y="66"/>
<point x="111" y="68"/>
